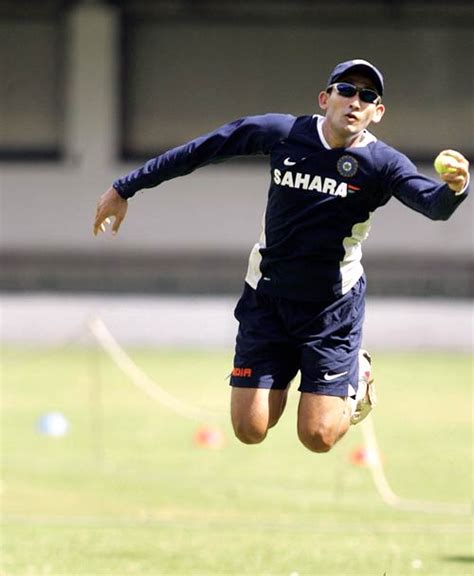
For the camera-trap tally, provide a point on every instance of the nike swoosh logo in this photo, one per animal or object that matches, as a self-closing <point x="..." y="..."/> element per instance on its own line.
<point x="329" y="377"/>
<point x="288" y="162"/>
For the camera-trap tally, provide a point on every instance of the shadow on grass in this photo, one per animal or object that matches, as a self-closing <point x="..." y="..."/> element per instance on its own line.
<point x="461" y="559"/>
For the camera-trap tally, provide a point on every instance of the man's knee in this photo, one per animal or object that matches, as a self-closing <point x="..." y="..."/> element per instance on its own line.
<point x="322" y="420"/>
<point x="320" y="439"/>
<point x="249" y="433"/>
<point x="255" y="411"/>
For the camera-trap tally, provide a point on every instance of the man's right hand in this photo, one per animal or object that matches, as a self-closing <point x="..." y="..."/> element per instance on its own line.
<point x="110" y="204"/>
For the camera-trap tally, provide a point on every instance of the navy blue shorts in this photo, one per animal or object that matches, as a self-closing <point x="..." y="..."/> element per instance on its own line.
<point x="279" y="337"/>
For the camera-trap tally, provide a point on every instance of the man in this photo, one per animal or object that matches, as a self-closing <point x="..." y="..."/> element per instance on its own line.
<point x="303" y="302"/>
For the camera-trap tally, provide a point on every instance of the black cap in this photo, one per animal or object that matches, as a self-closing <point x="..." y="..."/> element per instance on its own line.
<point x="358" y="65"/>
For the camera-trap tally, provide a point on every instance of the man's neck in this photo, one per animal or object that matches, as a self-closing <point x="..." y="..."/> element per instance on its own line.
<point x="338" y="141"/>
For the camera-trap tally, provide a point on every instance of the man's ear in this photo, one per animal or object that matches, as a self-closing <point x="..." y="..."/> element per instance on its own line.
<point x="379" y="112"/>
<point x="323" y="100"/>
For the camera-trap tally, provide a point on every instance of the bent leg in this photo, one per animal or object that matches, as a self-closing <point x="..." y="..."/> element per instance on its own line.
<point x="254" y="411"/>
<point x="322" y="420"/>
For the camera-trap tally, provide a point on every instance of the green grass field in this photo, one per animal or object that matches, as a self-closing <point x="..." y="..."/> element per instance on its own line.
<point x="127" y="491"/>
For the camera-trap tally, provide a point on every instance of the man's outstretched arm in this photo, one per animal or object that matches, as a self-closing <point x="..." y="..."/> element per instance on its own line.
<point x="252" y="135"/>
<point x="428" y="196"/>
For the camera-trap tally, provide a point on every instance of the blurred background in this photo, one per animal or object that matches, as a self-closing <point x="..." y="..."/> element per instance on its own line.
<point x="92" y="88"/>
<point x="116" y="350"/>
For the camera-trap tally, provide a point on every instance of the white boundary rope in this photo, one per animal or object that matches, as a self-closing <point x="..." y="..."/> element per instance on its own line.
<point x="144" y="383"/>
<point x="141" y="380"/>
<point x="374" y="462"/>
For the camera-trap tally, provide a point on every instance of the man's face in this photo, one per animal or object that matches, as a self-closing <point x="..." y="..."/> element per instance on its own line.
<point x="348" y="117"/>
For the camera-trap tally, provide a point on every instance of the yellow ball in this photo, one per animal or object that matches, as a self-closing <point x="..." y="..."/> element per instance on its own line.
<point x="443" y="163"/>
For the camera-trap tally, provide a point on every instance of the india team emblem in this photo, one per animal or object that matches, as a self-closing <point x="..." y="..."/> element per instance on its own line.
<point x="347" y="166"/>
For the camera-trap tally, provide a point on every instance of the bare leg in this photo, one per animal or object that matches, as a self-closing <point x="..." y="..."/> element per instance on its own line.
<point x="254" y="411"/>
<point x="322" y="420"/>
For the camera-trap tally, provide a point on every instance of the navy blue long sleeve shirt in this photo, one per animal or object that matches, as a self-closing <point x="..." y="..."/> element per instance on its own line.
<point x="320" y="199"/>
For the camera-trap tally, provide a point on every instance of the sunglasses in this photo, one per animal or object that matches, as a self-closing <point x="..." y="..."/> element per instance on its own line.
<point x="349" y="90"/>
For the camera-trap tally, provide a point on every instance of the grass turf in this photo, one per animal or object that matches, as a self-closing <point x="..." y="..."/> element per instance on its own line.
<point x="127" y="491"/>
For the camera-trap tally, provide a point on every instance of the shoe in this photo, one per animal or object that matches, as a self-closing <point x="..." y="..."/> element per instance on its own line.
<point x="365" y="398"/>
